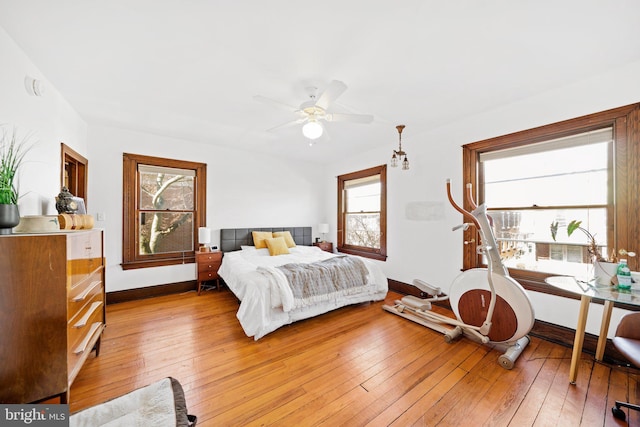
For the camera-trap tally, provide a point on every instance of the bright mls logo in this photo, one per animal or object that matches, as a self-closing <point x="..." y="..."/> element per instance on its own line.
<point x="36" y="415"/>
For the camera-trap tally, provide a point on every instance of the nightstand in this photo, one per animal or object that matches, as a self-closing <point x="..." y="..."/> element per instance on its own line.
<point x="325" y="246"/>
<point x="208" y="264"/>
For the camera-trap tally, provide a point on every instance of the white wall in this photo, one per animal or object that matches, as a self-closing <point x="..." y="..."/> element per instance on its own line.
<point x="243" y="190"/>
<point x="429" y="249"/>
<point x="50" y="120"/>
<point x="250" y="190"/>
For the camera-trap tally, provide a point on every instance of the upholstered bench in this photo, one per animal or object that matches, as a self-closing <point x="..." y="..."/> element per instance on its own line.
<point x="159" y="404"/>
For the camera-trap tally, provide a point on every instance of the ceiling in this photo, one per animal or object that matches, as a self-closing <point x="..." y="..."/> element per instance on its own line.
<point x="190" y="68"/>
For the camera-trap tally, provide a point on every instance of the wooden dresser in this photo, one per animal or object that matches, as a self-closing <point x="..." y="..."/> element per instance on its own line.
<point x="325" y="246"/>
<point x="52" y="311"/>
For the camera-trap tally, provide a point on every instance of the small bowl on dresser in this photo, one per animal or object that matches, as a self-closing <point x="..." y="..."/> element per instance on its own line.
<point x="38" y="224"/>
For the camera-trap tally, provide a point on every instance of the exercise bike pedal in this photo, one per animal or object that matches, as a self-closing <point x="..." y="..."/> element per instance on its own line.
<point x="416" y="303"/>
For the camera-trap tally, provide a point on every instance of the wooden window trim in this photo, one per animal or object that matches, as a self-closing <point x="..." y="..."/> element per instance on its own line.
<point x="130" y="259"/>
<point x="377" y="254"/>
<point x="70" y="159"/>
<point x="624" y="229"/>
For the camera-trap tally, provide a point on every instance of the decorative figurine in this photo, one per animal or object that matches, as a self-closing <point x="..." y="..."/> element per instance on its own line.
<point x="65" y="202"/>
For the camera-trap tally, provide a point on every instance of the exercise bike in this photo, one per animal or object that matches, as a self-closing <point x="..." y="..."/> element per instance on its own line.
<point x="489" y="305"/>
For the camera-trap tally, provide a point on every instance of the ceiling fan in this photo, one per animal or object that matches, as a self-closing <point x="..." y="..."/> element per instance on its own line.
<point x="313" y="112"/>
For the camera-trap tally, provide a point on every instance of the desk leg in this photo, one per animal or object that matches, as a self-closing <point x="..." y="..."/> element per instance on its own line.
<point x="579" y="338"/>
<point x="604" y="329"/>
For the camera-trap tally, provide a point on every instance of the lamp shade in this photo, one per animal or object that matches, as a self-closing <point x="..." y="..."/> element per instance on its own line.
<point x="323" y="228"/>
<point x="312" y="130"/>
<point x="204" y="235"/>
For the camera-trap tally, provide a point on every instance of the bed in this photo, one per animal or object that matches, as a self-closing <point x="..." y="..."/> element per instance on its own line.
<point x="262" y="281"/>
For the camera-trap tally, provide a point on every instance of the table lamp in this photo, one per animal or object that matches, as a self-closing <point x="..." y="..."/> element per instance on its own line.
<point x="204" y="238"/>
<point x="323" y="229"/>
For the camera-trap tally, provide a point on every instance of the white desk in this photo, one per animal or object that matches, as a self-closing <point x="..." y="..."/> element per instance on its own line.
<point x="610" y="294"/>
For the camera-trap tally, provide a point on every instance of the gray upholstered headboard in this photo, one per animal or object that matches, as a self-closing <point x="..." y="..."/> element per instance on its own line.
<point x="232" y="238"/>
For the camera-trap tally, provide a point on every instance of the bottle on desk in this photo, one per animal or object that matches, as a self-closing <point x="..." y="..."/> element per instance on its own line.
<point x="624" y="275"/>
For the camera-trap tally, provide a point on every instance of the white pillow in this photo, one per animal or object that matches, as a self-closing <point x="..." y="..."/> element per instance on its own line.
<point x="261" y="252"/>
<point x="247" y="248"/>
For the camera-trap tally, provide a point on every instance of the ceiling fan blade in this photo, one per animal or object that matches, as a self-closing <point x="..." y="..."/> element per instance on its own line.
<point x="331" y="93"/>
<point x="286" y="125"/>
<point x="356" y="118"/>
<point x="275" y="103"/>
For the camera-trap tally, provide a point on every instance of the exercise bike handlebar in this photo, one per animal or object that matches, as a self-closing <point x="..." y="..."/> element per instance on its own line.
<point x="467" y="214"/>
<point x="470" y="200"/>
<point x="483" y="223"/>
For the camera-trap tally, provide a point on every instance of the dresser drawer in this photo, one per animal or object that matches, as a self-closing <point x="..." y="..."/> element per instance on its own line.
<point x="208" y="267"/>
<point x="83" y="330"/>
<point x="84" y="254"/>
<point x="83" y="292"/>
<point x="92" y="311"/>
<point x="207" y="275"/>
<point x="76" y="358"/>
<point x="209" y="261"/>
<point x="209" y="257"/>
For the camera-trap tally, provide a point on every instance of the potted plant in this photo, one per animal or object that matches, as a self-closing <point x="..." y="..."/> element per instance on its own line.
<point x="574" y="225"/>
<point x="604" y="266"/>
<point x="12" y="152"/>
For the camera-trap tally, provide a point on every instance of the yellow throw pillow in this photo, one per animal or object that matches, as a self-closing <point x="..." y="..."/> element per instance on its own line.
<point x="287" y="238"/>
<point x="259" y="237"/>
<point x="277" y="246"/>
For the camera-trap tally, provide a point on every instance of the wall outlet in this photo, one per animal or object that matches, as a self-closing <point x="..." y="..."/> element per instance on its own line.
<point x="100" y="216"/>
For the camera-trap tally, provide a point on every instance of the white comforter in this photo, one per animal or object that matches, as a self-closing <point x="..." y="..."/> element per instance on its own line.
<point x="267" y="302"/>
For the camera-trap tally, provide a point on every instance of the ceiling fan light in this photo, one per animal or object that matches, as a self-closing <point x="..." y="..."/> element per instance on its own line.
<point x="312" y="130"/>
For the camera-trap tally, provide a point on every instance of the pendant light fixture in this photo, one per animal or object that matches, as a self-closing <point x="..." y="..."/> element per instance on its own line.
<point x="399" y="155"/>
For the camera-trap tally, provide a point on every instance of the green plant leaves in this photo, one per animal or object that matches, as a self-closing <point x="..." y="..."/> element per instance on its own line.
<point x="554" y="230"/>
<point x="573" y="226"/>
<point x="12" y="152"/>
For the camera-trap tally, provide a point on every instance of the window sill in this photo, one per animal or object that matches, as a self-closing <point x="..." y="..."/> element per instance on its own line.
<point x="365" y="254"/>
<point x="157" y="263"/>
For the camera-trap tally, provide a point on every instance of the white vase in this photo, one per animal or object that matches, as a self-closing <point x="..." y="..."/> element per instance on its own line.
<point x="603" y="272"/>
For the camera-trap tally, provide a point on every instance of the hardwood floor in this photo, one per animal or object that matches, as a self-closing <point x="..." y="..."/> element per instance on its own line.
<point x="355" y="366"/>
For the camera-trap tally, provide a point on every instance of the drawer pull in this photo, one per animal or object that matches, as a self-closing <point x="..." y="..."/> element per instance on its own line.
<point x="85" y="342"/>
<point x="83" y="295"/>
<point x="82" y="322"/>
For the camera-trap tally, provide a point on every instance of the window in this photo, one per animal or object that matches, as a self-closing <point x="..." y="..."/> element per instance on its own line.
<point x="516" y="185"/>
<point x="583" y="169"/>
<point x="164" y="204"/>
<point x="362" y="213"/>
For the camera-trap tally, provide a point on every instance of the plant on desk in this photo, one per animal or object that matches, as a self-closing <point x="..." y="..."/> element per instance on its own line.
<point x="592" y="248"/>
<point x="574" y="225"/>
